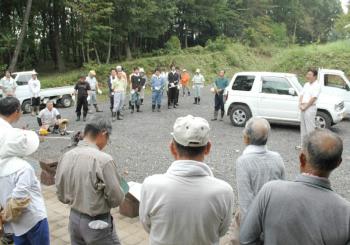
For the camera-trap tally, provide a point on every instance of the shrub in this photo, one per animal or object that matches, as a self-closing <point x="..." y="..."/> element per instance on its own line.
<point x="173" y="44"/>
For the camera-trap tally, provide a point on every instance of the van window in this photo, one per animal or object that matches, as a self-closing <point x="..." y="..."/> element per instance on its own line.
<point x="335" y="81"/>
<point x="275" y="85"/>
<point x="23" y="79"/>
<point x="243" y="83"/>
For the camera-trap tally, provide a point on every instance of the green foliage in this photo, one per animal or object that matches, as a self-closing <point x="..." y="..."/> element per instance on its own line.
<point x="173" y="44"/>
<point x="220" y="44"/>
<point x="342" y="26"/>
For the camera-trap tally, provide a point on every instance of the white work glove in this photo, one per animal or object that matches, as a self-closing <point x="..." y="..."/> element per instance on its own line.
<point x="99" y="91"/>
<point x="98" y="225"/>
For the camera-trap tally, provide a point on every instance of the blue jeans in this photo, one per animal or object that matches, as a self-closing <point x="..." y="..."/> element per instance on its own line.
<point x="135" y="99"/>
<point x="39" y="234"/>
<point x="157" y="97"/>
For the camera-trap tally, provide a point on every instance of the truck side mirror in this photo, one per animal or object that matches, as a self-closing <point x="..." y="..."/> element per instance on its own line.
<point x="292" y="92"/>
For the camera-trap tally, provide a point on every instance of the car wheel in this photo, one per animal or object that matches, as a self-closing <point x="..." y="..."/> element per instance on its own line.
<point x="239" y="115"/>
<point x="26" y="106"/>
<point x="66" y="101"/>
<point x="323" y="120"/>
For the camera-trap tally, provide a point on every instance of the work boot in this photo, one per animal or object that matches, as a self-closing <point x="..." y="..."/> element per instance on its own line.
<point x="138" y="108"/>
<point x="130" y="105"/>
<point x="78" y="119"/>
<point x="114" y="114"/>
<point x="84" y="118"/>
<point x="118" y="116"/>
<point x="141" y="101"/>
<point x="189" y="93"/>
<point x="195" y="101"/>
<point x="153" y="108"/>
<point x="132" y="108"/>
<point x="97" y="109"/>
<point x="199" y="100"/>
<point x="222" y="115"/>
<point x="216" y="113"/>
<point x="158" y="110"/>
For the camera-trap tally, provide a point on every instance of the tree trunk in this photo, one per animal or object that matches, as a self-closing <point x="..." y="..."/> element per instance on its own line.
<point x="97" y="56"/>
<point x="83" y="52"/>
<point x="294" y="32"/>
<point x="56" y="37"/>
<point x="88" y="52"/>
<point x="127" y="50"/>
<point x="21" y="36"/>
<point x="109" y="46"/>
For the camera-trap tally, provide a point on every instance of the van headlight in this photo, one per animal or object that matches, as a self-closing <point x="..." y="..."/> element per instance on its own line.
<point x="339" y="107"/>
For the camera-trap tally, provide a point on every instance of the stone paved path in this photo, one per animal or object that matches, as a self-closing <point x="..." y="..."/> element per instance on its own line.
<point x="129" y="230"/>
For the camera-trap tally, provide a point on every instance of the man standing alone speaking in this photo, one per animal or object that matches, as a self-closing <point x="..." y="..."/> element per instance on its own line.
<point x="307" y="104"/>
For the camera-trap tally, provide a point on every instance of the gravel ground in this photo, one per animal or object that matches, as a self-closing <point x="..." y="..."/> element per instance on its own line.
<point x="140" y="142"/>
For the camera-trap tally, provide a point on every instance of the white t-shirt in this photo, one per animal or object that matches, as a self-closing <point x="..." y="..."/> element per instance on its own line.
<point x="310" y="90"/>
<point x="34" y="87"/>
<point x="92" y="81"/>
<point x="48" y="117"/>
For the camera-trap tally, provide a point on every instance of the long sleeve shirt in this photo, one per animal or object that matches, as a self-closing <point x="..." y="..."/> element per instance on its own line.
<point x="34" y="87"/>
<point x="304" y="211"/>
<point x="254" y="168"/>
<point x="87" y="180"/>
<point x="119" y="85"/>
<point x="187" y="205"/>
<point x="157" y="83"/>
<point x="198" y="79"/>
<point x="173" y="79"/>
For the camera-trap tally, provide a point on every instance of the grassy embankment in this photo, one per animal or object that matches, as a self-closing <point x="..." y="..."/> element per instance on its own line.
<point x="232" y="57"/>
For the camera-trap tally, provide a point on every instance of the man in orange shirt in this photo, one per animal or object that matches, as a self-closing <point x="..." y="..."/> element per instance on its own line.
<point x="185" y="79"/>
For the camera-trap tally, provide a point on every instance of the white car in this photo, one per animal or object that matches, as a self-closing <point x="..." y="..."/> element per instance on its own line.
<point x="63" y="96"/>
<point x="335" y="83"/>
<point x="275" y="96"/>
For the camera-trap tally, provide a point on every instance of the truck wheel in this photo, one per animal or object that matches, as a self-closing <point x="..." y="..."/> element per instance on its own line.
<point x="66" y="101"/>
<point x="239" y="115"/>
<point x="26" y="106"/>
<point x="323" y="120"/>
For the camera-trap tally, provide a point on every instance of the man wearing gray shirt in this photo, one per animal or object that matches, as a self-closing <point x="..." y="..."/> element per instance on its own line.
<point x="305" y="211"/>
<point x="255" y="167"/>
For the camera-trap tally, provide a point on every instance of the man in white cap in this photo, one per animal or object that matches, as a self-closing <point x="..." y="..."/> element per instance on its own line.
<point x="34" y="86"/>
<point x="198" y="83"/>
<point x="22" y="208"/>
<point x="187" y="204"/>
<point x="91" y="79"/>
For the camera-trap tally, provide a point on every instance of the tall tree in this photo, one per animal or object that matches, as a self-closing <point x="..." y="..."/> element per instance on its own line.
<point x="21" y="36"/>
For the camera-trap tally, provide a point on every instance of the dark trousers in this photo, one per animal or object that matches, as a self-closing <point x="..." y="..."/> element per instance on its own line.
<point x="39" y="234"/>
<point x="219" y="102"/>
<point x="111" y="99"/>
<point x="36" y="101"/>
<point x="177" y="96"/>
<point x="82" y="102"/>
<point x="172" y="96"/>
<point x="82" y="234"/>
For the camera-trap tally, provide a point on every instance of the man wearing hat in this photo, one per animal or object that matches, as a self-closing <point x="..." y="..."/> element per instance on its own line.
<point x="91" y="79"/>
<point x="198" y="83"/>
<point x="22" y="207"/>
<point x="187" y="204"/>
<point x="82" y="88"/>
<point x="185" y="80"/>
<point x="219" y="88"/>
<point x="34" y="89"/>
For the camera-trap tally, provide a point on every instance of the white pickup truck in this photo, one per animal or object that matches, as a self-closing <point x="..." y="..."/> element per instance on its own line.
<point x="275" y="96"/>
<point x="335" y="83"/>
<point x="63" y="96"/>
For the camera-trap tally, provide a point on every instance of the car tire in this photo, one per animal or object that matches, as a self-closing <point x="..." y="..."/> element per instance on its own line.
<point x="26" y="106"/>
<point x="323" y="120"/>
<point x="239" y="115"/>
<point x="66" y="101"/>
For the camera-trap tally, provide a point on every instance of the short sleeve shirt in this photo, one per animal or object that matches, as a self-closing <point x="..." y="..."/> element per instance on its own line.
<point x="92" y="82"/>
<point x="221" y="83"/>
<point x="82" y="88"/>
<point x="48" y="117"/>
<point x="311" y="90"/>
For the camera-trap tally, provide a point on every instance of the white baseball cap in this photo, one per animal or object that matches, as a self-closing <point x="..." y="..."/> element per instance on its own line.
<point x="142" y="70"/>
<point x="118" y="67"/>
<point x="191" y="131"/>
<point x="198" y="70"/>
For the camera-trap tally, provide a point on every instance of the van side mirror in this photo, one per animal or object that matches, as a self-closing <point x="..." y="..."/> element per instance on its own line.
<point x="292" y="92"/>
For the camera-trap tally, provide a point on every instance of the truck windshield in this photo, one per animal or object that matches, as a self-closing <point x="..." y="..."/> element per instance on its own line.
<point x="296" y="83"/>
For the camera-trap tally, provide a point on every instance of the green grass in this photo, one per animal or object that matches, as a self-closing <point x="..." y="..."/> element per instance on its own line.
<point x="233" y="57"/>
